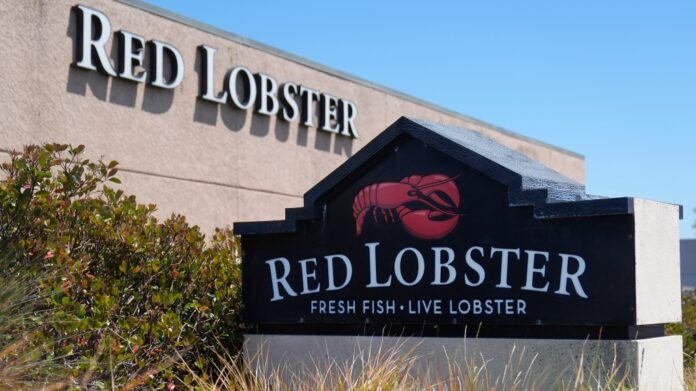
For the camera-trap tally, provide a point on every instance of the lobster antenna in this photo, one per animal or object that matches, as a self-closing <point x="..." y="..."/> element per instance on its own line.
<point x="434" y="205"/>
<point x="440" y="182"/>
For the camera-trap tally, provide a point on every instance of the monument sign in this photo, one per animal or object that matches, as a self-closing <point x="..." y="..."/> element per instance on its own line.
<point x="431" y="231"/>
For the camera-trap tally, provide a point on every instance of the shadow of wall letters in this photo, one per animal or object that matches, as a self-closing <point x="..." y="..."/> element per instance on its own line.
<point x="115" y="90"/>
<point x="155" y="100"/>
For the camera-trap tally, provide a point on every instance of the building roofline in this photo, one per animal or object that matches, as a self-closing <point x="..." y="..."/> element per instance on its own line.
<point x="176" y="17"/>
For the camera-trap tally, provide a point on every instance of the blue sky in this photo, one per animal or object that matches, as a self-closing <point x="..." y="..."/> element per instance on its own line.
<point x="614" y="81"/>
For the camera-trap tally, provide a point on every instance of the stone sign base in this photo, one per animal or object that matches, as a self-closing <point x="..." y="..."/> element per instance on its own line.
<point x="648" y="364"/>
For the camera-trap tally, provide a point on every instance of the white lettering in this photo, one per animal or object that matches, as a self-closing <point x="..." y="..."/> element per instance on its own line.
<point x="349" y="271"/>
<point x="88" y="44"/>
<point x="474" y="265"/>
<point x="348" y="113"/>
<point x="277" y="281"/>
<point x="486" y="307"/>
<point x="373" y="267"/>
<point x="268" y="89"/>
<point x="532" y="270"/>
<point x="306" y="276"/>
<point x="250" y="87"/>
<point x="329" y="112"/>
<point x="290" y="110"/>
<point x="166" y="68"/>
<point x="132" y="52"/>
<point x="309" y="96"/>
<point x="398" y="270"/>
<point x="439" y="265"/>
<point x="574" y="277"/>
<point x="504" y="263"/>
<point x="176" y="65"/>
<point x="208" y="75"/>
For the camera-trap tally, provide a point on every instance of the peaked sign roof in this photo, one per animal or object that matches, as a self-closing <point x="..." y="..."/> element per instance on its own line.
<point x="529" y="183"/>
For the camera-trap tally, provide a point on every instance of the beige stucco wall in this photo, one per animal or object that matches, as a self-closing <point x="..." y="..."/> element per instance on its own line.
<point x="213" y="163"/>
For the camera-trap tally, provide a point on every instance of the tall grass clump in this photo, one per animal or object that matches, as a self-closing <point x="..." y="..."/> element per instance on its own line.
<point x="687" y="329"/>
<point x="402" y="367"/>
<point x="100" y="293"/>
<point x="26" y="356"/>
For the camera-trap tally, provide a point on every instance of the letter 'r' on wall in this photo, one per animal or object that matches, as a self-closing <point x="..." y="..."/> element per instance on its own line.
<point x="347" y="116"/>
<point x="93" y="32"/>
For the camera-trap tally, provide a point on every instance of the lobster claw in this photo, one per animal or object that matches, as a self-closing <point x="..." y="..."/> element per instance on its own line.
<point x="428" y="224"/>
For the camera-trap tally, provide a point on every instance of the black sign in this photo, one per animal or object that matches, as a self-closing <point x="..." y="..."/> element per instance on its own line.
<point x="435" y="225"/>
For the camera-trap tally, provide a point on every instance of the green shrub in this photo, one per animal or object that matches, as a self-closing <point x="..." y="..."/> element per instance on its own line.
<point x="687" y="328"/>
<point x="130" y="301"/>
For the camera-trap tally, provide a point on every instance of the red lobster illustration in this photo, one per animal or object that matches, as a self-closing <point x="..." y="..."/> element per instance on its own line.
<point x="435" y="196"/>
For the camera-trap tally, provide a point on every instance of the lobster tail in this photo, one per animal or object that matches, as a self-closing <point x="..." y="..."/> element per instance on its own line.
<point x="380" y="196"/>
<point x="359" y="219"/>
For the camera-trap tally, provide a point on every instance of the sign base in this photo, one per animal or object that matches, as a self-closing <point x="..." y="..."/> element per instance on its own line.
<point x="646" y="364"/>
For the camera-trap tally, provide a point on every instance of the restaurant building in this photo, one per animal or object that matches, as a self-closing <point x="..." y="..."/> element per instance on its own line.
<point x="203" y="122"/>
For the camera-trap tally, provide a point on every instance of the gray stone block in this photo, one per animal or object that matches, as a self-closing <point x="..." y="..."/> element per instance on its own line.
<point x="658" y="286"/>
<point x="646" y="364"/>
